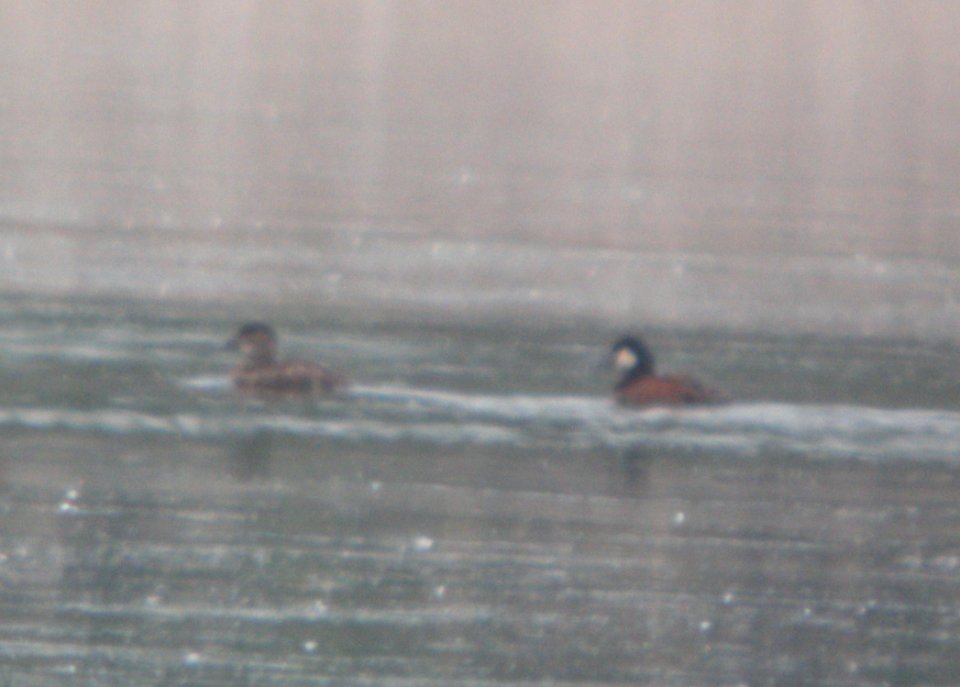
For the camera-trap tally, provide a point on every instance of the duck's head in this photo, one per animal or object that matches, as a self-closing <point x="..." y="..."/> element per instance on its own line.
<point x="256" y="341"/>
<point x="631" y="357"/>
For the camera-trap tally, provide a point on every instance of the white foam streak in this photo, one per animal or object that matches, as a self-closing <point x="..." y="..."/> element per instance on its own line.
<point x="816" y="430"/>
<point x="196" y="426"/>
<point x="392" y="413"/>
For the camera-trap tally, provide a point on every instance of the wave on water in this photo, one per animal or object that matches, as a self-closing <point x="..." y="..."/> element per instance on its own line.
<point x="753" y="428"/>
<point x="394" y="413"/>
<point x="213" y="383"/>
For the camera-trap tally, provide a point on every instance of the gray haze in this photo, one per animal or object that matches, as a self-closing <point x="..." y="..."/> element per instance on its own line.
<point x="767" y="165"/>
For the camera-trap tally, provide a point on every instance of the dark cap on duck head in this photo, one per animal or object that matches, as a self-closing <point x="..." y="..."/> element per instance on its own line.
<point x="252" y="331"/>
<point x="630" y="354"/>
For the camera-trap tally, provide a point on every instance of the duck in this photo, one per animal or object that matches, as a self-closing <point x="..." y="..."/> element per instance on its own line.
<point x="260" y="372"/>
<point x="640" y="386"/>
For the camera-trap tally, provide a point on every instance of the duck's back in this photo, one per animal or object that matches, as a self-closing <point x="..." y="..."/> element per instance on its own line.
<point x="652" y="390"/>
<point x="289" y="377"/>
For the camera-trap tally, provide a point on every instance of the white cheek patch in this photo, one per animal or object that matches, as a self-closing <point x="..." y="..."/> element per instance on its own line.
<point x="625" y="359"/>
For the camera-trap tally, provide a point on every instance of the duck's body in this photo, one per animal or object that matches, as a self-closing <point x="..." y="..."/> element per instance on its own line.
<point x="670" y="390"/>
<point x="260" y="372"/>
<point x="287" y="377"/>
<point x="640" y="386"/>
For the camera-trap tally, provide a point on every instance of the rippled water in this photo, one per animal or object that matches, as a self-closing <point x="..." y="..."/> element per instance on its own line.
<point x="474" y="510"/>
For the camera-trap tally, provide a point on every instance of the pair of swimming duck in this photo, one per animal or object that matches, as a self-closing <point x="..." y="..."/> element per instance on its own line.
<point x="639" y="385"/>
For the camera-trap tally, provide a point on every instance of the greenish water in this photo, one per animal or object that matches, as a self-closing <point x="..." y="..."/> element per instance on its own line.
<point x="475" y="511"/>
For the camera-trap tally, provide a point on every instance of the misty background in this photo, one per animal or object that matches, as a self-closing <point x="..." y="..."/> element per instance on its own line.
<point x="764" y="166"/>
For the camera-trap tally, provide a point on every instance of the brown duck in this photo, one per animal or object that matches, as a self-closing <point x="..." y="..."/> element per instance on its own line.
<point x="640" y="386"/>
<point x="261" y="372"/>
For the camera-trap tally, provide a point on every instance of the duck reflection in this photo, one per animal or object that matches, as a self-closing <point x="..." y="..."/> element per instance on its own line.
<point x="250" y="458"/>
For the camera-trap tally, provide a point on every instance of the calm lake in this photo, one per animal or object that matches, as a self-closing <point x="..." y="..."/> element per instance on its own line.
<point x="474" y="510"/>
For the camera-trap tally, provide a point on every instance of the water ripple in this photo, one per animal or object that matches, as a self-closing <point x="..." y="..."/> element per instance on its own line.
<point x="393" y="413"/>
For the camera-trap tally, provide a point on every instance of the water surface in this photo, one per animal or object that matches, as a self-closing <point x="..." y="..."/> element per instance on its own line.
<point x="474" y="511"/>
